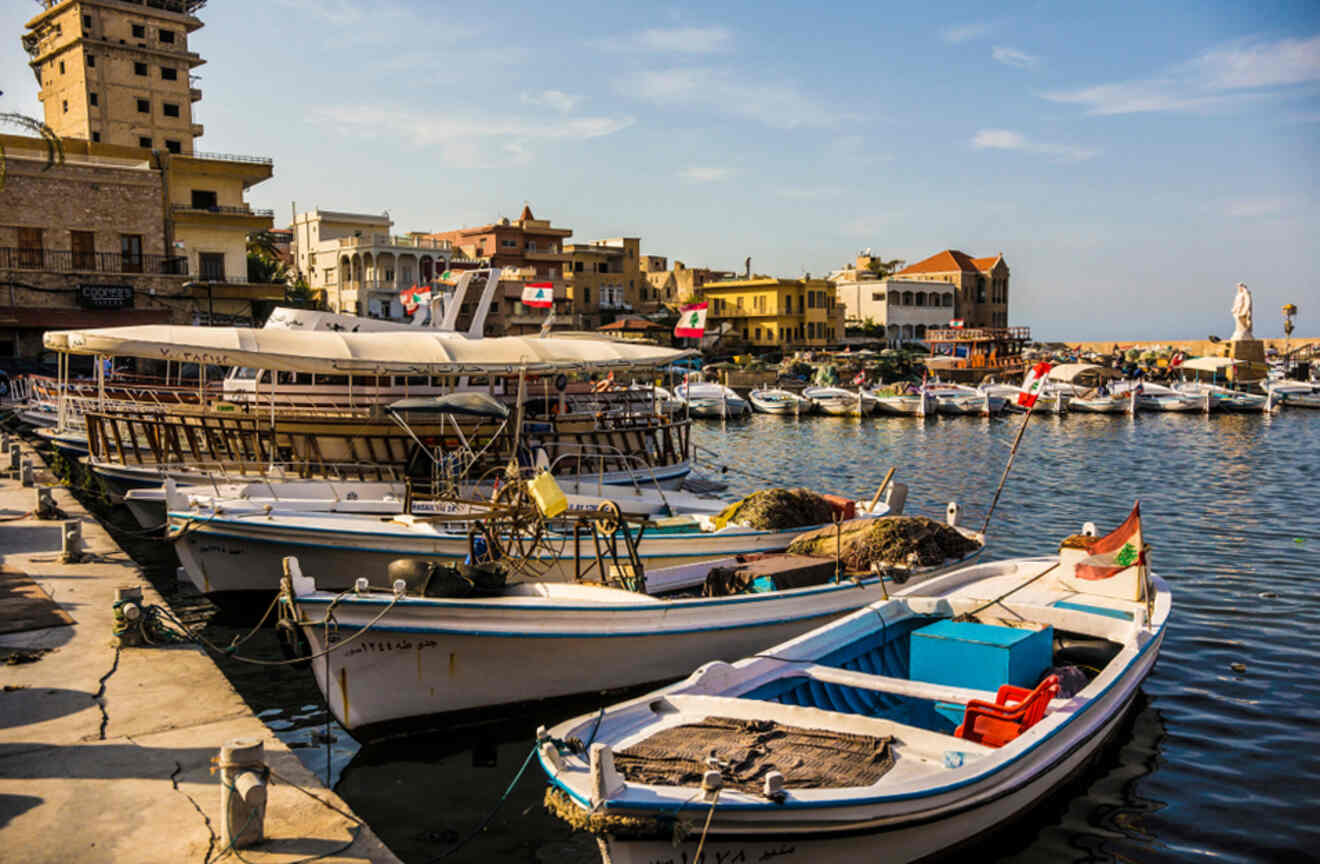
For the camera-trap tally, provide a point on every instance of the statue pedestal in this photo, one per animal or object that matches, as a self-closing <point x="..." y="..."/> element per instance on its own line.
<point x="1251" y="353"/>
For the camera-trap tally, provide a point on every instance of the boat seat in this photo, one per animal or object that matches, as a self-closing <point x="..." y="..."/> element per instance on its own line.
<point x="1014" y="711"/>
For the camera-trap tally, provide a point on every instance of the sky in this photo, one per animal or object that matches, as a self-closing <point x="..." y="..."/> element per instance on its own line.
<point x="1132" y="161"/>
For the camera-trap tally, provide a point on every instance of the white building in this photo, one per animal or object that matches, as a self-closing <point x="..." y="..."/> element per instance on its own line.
<point x="905" y="308"/>
<point x="359" y="266"/>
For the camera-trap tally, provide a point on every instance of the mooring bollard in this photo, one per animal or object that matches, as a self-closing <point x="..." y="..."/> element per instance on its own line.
<point x="15" y="457"/>
<point x="45" y="505"/>
<point x="27" y="474"/>
<point x="128" y="612"/>
<point x="243" y="774"/>
<point x="71" y="548"/>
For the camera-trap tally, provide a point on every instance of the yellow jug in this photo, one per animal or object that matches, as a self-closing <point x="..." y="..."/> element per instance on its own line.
<point x="547" y="495"/>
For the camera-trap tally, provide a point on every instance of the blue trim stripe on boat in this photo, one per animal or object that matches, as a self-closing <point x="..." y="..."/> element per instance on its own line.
<point x="878" y="799"/>
<point x="1094" y="610"/>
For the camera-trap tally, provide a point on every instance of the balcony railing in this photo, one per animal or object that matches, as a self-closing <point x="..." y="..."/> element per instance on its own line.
<point x="232" y="157"/>
<point x="224" y="210"/>
<point x="66" y="261"/>
<point x="395" y="240"/>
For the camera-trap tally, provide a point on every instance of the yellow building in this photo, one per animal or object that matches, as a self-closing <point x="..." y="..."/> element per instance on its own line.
<point x="766" y="312"/>
<point x="115" y="73"/>
<point x="604" y="279"/>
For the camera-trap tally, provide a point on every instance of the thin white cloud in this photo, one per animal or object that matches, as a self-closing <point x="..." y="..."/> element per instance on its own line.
<point x="1013" y="57"/>
<point x="681" y="40"/>
<point x="426" y="130"/>
<point x="778" y="105"/>
<point x="555" y="100"/>
<point x="1007" y="139"/>
<point x="704" y="173"/>
<point x="809" y="193"/>
<point x="1214" y="79"/>
<point x="1255" y="208"/>
<point x="960" y="33"/>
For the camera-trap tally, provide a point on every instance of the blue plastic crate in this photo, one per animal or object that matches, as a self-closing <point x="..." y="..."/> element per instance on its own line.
<point x="980" y="656"/>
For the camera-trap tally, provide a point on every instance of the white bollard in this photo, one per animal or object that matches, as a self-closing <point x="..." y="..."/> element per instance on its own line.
<point x="243" y="776"/>
<point x="71" y="548"/>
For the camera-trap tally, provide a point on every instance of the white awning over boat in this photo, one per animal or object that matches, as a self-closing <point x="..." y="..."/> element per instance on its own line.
<point x="1072" y="371"/>
<point x="1209" y="364"/>
<point x="420" y="351"/>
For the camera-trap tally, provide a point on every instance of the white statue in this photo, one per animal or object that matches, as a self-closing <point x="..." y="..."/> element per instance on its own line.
<point x="1242" y="314"/>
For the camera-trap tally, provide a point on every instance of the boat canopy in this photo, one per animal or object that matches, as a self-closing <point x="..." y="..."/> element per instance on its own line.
<point x="329" y="352"/>
<point x="467" y="404"/>
<point x="1070" y="372"/>
<point x="1209" y="364"/>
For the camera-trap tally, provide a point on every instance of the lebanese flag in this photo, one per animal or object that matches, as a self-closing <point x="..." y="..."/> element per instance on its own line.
<point x="539" y="294"/>
<point x="956" y="323"/>
<point x="1032" y="387"/>
<point x="691" y="322"/>
<point x="1116" y="551"/>
<point x="413" y="297"/>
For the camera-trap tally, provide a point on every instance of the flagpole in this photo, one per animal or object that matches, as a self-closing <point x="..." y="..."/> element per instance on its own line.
<point x="1002" y="480"/>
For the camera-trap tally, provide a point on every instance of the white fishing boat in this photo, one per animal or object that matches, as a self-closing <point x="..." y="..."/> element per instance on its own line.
<point x="238" y="546"/>
<point x="923" y="404"/>
<point x="1157" y="397"/>
<point x="423" y="655"/>
<point x="906" y="729"/>
<point x="962" y="400"/>
<point x="840" y="402"/>
<point x="709" y="399"/>
<point x="778" y="401"/>
<point x="1295" y="394"/>
<point x="1099" y="404"/>
<point x="1053" y="398"/>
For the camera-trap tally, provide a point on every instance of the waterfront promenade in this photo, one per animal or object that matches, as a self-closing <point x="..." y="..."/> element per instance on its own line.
<point x="105" y="754"/>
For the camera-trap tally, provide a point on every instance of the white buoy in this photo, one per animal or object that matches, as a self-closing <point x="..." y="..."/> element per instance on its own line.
<point x="243" y="774"/>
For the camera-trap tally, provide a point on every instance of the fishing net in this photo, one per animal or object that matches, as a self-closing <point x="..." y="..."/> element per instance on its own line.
<point x="750" y="749"/>
<point x="897" y="541"/>
<point x="777" y="509"/>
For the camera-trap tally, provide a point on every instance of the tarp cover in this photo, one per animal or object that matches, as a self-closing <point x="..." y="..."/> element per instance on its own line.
<point x="1073" y="371"/>
<point x="808" y="758"/>
<point x="417" y="351"/>
<point x="1209" y="364"/>
<point x="467" y="404"/>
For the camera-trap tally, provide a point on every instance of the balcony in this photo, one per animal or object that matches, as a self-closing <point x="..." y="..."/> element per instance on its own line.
<point x="394" y="240"/>
<point x="229" y="157"/>
<point x="221" y="210"/>
<point x="194" y="94"/>
<point x="66" y="261"/>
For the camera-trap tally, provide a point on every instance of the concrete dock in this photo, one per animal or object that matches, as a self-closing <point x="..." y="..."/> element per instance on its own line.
<point x="105" y="753"/>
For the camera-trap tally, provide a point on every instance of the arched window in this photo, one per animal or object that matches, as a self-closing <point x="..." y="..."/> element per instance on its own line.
<point x="921" y="331"/>
<point x="894" y="298"/>
<point x="948" y="298"/>
<point x="907" y="331"/>
<point x="907" y="298"/>
<point x="920" y="298"/>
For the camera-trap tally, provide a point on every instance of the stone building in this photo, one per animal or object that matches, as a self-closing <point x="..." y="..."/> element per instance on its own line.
<point x="680" y="285"/>
<point x="980" y="284"/>
<point x="522" y="242"/>
<point x="604" y="280"/>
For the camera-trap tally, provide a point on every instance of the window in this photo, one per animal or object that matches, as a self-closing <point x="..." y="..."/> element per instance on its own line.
<point x="140" y="69"/>
<point x="130" y="252"/>
<point x="91" y="59"/>
<point x="96" y="136"/>
<point x="29" y="247"/>
<point x="758" y="334"/>
<point x="173" y="146"/>
<point x="509" y="244"/>
<point x="577" y="266"/>
<point x="139" y="31"/>
<point x="87" y="22"/>
<point x="144" y="106"/>
<point x="83" y="246"/>
<point x="531" y="245"/>
<point x="877" y="296"/>
<point x="169" y="110"/>
<point x="61" y="67"/>
<point x="167" y="36"/>
<point x="91" y="99"/>
<point x="66" y="106"/>
<point x="211" y="266"/>
<point x="169" y="73"/>
<point x="203" y="199"/>
<point x="144" y="141"/>
<point x="586" y="294"/>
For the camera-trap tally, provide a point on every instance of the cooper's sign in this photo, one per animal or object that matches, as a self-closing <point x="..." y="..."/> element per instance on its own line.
<point x="105" y="296"/>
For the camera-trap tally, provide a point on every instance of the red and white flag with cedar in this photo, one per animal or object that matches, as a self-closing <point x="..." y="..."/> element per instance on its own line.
<point x="1116" y="551"/>
<point x="539" y="294"/>
<point x="691" y="322"/>
<point x="1035" y="383"/>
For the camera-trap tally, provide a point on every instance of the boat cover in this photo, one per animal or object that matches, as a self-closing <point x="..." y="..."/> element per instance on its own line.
<point x="328" y="352"/>
<point x="466" y="404"/>
<point x="808" y="758"/>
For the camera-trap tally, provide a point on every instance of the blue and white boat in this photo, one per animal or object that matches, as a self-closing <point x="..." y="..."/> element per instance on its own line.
<point x="777" y="401"/>
<point x="709" y="399"/>
<point x="895" y="733"/>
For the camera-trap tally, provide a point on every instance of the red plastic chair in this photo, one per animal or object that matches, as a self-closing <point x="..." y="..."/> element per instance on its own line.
<point x="1014" y="711"/>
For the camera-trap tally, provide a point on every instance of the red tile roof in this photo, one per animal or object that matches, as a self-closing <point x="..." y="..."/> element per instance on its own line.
<point x="949" y="261"/>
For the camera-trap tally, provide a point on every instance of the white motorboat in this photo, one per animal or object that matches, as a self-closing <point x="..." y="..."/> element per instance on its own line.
<point x="960" y="399"/>
<point x="923" y="404"/>
<point x="1157" y="397"/>
<point x="709" y="399"/>
<point x="1106" y="404"/>
<point x="232" y="546"/>
<point x="779" y="401"/>
<point x="894" y="733"/>
<point x="539" y="640"/>
<point x="840" y="402"/>
<point x="1295" y="394"/>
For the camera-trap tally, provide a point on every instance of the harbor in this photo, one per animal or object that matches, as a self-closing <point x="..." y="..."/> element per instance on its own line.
<point x="536" y="462"/>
